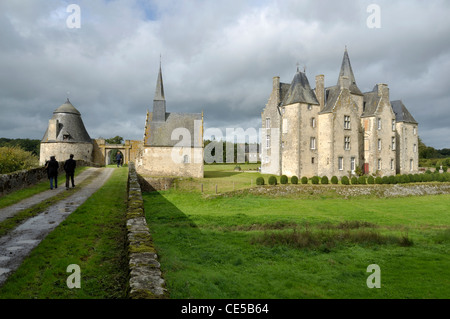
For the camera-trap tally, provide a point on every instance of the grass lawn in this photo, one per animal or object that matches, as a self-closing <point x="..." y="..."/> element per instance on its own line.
<point x="250" y="246"/>
<point x="92" y="237"/>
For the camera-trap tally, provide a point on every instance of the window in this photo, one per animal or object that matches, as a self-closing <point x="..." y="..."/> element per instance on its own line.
<point x="186" y="159"/>
<point x="392" y="164"/>
<point x="379" y="123"/>
<point x="393" y="143"/>
<point x="267" y="122"/>
<point x="313" y="143"/>
<point x="346" y="122"/>
<point x="313" y="122"/>
<point x="267" y="141"/>
<point x="414" y="130"/>
<point x="309" y="106"/>
<point x="393" y="125"/>
<point x="415" y="148"/>
<point x="312" y="160"/>
<point x="347" y="143"/>
<point x="411" y="164"/>
<point x="282" y="110"/>
<point x="282" y="144"/>
<point x="379" y="164"/>
<point x="341" y="163"/>
<point x="285" y="126"/>
<point x="352" y="164"/>
<point x="379" y="144"/>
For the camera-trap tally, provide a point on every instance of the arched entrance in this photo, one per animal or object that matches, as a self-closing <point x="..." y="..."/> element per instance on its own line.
<point x="111" y="156"/>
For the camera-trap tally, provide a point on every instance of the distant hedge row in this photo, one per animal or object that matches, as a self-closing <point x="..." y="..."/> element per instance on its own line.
<point x="361" y="180"/>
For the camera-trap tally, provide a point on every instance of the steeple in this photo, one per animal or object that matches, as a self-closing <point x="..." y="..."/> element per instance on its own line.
<point x="159" y="101"/>
<point x="346" y="71"/>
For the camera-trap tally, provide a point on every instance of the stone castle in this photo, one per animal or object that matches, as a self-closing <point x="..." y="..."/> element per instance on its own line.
<point x="336" y="131"/>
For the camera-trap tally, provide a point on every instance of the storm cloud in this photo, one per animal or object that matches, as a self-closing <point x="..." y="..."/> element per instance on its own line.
<point x="218" y="57"/>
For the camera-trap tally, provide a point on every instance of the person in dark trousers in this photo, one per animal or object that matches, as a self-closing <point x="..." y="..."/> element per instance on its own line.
<point x="52" y="171"/>
<point x="119" y="159"/>
<point x="69" y="167"/>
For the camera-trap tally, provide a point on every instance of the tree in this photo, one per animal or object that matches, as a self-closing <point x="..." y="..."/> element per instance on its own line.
<point x="114" y="140"/>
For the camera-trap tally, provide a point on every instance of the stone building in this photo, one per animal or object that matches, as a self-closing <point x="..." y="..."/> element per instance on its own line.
<point x="173" y="142"/>
<point x="336" y="130"/>
<point x="66" y="135"/>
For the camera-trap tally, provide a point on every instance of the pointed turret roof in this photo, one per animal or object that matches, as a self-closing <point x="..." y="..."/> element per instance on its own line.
<point x="346" y="70"/>
<point x="67" y="107"/>
<point x="159" y="91"/>
<point x="300" y="91"/>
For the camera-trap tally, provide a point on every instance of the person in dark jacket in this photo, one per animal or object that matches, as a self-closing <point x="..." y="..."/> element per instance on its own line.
<point x="52" y="171"/>
<point x="69" y="167"/>
<point x="119" y="159"/>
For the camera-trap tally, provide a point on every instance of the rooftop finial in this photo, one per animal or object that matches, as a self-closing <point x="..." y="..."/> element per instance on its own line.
<point x="345" y="48"/>
<point x="68" y="93"/>
<point x="298" y="64"/>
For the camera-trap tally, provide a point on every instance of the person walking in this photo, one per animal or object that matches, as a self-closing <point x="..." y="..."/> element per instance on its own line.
<point x="52" y="171"/>
<point x="119" y="158"/>
<point x="69" y="167"/>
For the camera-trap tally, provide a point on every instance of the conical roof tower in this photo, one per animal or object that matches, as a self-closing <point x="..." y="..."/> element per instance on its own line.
<point x="346" y="71"/>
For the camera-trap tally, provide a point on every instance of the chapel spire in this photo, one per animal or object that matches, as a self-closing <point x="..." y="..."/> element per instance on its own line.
<point x="159" y="101"/>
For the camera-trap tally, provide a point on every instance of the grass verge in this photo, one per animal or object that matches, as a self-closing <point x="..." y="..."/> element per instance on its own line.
<point x="93" y="237"/>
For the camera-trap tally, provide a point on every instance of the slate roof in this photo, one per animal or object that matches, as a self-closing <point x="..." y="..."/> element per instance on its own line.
<point x="370" y="102"/>
<point x="69" y="122"/>
<point x="346" y="70"/>
<point x="159" y="133"/>
<point x="331" y="96"/>
<point x="300" y="91"/>
<point x="401" y="112"/>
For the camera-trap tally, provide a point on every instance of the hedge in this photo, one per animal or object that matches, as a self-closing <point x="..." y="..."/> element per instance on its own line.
<point x="344" y="180"/>
<point x="294" y="180"/>
<point x="334" y="180"/>
<point x="324" y="180"/>
<point x="260" y="181"/>
<point x="272" y="180"/>
<point x="283" y="179"/>
<point x="304" y="180"/>
<point x="315" y="180"/>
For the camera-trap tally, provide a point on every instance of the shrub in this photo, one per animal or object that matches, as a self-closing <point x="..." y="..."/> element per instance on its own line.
<point x="344" y="180"/>
<point x="304" y="180"/>
<point x="334" y="180"/>
<point x="272" y="180"/>
<point x="398" y="179"/>
<point x="378" y="180"/>
<point x="392" y="179"/>
<point x="354" y="180"/>
<point x="15" y="159"/>
<point x="370" y="180"/>
<point x="324" y="180"/>
<point x="294" y="180"/>
<point x="416" y="178"/>
<point x="445" y="168"/>
<point x="260" y="181"/>
<point x="362" y="180"/>
<point x="283" y="179"/>
<point x="427" y="171"/>
<point x="315" y="180"/>
<point x="385" y="180"/>
<point x="427" y="177"/>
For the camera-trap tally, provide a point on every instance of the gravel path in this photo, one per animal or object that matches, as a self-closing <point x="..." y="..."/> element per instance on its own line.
<point x="11" y="210"/>
<point x="17" y="244"/>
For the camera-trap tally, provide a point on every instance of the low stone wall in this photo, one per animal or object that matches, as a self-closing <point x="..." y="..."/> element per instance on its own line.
<point x="151" y="184"/>
<point x="145" y="280"/>
<point x="25" y="178"/>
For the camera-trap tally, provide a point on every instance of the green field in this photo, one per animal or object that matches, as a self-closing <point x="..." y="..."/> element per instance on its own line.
<point x="248" y="246"/>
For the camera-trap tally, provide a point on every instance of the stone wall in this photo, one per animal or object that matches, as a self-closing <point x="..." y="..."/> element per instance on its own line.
<point x="26" y="178"/>
<point x="62" y="151"/>
<point x="145" y="280"/>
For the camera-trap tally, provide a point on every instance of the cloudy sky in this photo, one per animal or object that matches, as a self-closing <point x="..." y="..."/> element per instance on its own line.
<point x="218" y="57"/>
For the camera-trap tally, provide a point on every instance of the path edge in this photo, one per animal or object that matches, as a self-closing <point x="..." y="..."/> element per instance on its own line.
<point x="145" y="277"/>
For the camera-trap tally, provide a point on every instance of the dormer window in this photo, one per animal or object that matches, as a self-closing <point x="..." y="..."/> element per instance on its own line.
<point x="309" y="107"/>
<point x="66" y="137"/>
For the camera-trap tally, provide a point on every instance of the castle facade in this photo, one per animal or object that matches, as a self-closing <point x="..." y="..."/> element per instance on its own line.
<point x="337" y="130"/>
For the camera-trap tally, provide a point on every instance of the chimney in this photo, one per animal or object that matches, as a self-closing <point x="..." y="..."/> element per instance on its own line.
<point x="320" y="93"/>
<point x="276" y="88"/>
<point x="383" y="90"/>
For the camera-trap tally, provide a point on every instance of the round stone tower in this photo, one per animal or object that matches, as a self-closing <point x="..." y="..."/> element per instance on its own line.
<point x="66" y="135"/>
